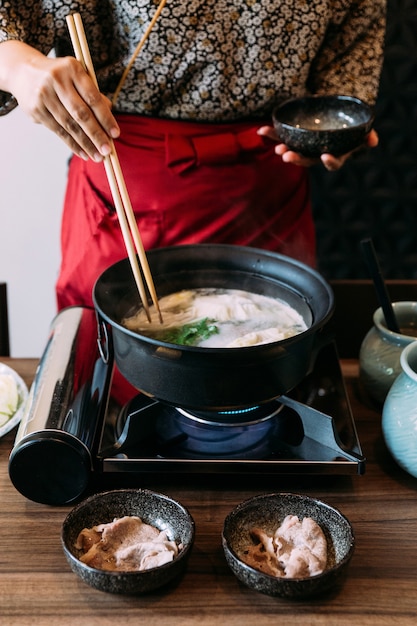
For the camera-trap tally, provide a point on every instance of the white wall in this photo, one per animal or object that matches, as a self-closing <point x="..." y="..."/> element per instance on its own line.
<point x="33" y="164"/>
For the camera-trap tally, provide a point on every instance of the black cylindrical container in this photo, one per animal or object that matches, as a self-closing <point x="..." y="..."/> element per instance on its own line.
<point x="56" y="443"/>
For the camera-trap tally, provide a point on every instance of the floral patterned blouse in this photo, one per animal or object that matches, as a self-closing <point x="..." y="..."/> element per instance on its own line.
<point x="213" y="60"/>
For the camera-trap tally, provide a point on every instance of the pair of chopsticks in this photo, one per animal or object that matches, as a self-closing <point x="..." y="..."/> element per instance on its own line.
<point x="127" y="221"/>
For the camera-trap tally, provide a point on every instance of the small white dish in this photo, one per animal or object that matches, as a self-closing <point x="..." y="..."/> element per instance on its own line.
<point x="23" y="396"/>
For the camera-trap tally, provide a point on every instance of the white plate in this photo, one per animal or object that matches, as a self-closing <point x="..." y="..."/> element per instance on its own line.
<point x="23" y="396"/>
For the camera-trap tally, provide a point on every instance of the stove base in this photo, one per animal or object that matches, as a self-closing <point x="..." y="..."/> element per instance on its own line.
<point x="312" y="431"/>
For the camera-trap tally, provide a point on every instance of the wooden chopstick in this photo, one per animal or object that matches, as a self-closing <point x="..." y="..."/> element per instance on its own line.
<point x="137" y="50"/>
<point x="117" y="183"/>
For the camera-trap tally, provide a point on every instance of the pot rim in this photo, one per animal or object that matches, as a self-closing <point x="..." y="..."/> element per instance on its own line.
<point x="266" y="254"/>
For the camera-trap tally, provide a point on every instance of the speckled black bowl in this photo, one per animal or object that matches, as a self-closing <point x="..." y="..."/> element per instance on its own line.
<point x="267" y="512"/>
<point x="153" y="508"/>
<point x="316" y="125"/>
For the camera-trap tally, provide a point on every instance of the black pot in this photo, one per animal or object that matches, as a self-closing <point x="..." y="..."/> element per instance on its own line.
<point x="215" y="378"/>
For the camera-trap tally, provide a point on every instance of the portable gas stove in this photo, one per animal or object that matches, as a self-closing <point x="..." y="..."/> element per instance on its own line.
<point x="72" y="429"/>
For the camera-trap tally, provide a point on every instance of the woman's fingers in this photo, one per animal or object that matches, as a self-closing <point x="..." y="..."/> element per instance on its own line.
<point x="269" y="132"/>
<point x="59" y="94"/>
<point x="330" y="162"/>
<point x="49" y="121"/>
<point x="76" y="108"/>
<point x="81" y="112"/>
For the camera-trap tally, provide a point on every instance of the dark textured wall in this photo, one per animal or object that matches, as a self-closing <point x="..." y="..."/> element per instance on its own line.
<point x="375" y="194"/>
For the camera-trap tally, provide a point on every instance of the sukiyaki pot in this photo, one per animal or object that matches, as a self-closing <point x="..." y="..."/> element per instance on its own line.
<point x="196" y="358"/>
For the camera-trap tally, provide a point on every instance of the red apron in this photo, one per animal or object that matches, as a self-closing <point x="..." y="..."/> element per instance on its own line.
<point x="188" y="183"/>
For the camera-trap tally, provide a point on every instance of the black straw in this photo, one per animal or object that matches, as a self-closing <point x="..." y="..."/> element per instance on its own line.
<point x="380" y="286"/>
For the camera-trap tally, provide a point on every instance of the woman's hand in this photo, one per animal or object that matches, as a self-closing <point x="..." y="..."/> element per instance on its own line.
<point x="59" y="94"/>
<point x="330" y="162"/>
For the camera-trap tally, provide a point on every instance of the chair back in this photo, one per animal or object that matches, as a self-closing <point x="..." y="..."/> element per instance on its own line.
<point x="4" y="322"/>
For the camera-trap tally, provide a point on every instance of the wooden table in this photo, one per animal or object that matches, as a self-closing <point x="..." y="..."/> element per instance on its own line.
<point x="37" y="586"/>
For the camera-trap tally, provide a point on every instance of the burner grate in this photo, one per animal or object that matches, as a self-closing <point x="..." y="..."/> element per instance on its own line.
<point x="310" y="430"/>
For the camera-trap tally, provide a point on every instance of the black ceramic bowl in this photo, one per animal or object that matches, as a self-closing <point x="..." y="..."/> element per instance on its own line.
<point x="316" y="125"/>
<point x="153" y="508"/>
<point x="268" y="512"/>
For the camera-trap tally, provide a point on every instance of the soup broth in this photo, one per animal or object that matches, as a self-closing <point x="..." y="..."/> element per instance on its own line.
<point x="411" y="331"/>
<point x="218" y="318"/>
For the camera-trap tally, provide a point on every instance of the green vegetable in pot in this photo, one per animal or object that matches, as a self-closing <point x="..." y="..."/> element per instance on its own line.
<point x="188" y="334"/>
